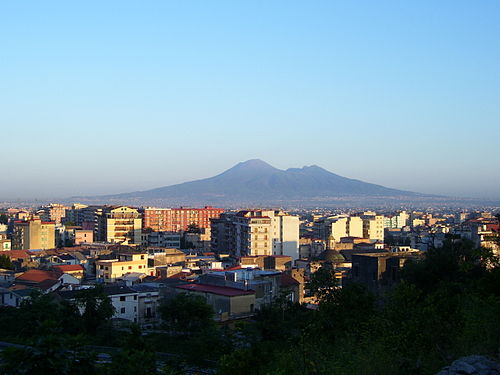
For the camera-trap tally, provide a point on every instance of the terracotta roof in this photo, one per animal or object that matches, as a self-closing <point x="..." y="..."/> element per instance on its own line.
<point x="16" y="254"/>
<point x="233" y="268"/>
<point x="37" y="276"/>
<point x="287" y="280"/>
<point x="68" y="268"/>
<point x="213" y="289"/>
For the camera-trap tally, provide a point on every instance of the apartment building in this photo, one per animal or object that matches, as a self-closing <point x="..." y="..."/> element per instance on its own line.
<point x="89" y="218"/>
<point x="178" y="219"/>
<point x="373" y="226"/>
<point x="124" y="226"/>
<point x="256" y="232"/>
<point x="34" y="234"/>
<point x="5" y="243"/>
<point x="337" y="227"/>
<point x="57" y="212"/>
<point x="109" y="270"/>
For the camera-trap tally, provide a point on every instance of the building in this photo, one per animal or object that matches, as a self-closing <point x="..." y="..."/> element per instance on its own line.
<point x="124" y="226"/>
<point x="5" y="243"/>
<point x="111" y="269"/>
<point x="75" y="270"/>
<point x="373" y="226"/>
<point x="148" y="304"/>
<point x="88" y="218"/>
<point x="178" y="219"/>
<point x="83" y="236"/>
<point x="256" y="232"/>
<point x="46" y="281"/>
<point x="376" y="270"/>
<point x="227" y="303"/>
<point x="57" y="212"/>
<point x="73" y="235"/>
<point x="162" y="239"/>
<point x="14" y="297"/>
<point x="33" y="234"/>
<point x="125" y="301"/>
<point x="333" y="229"/>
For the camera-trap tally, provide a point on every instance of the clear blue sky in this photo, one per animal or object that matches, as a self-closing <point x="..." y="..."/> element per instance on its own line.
<point x="116" y="96"/>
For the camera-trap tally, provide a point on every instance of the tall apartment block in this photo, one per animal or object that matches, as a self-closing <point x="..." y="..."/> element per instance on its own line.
<point x="34" y="234"/>
<point x="257" y="232"/>
<point x="332" y="229"/>
<point x="89" y="218"/>
<point x="373" y="226"/>
<point x="124" y="225"/>
<point x="178" y="219"/>
<point x="336" y="227"/>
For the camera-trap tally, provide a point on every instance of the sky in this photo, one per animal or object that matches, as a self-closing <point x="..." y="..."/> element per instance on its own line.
<point x="102" y="97"/>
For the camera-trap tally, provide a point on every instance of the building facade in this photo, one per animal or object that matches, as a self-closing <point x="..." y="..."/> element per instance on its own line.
<point x="256" y="232"/>
<point x="124" y="226"/>
<point x="34" y="234"/>
<point x="178" y="219"/>
<point x="109" y="270"/>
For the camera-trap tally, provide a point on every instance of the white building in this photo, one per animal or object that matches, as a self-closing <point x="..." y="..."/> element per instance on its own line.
<point x="256" y="232"/>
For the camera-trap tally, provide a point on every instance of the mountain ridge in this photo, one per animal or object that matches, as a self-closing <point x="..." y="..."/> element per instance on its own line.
<point x="255" y="180"/>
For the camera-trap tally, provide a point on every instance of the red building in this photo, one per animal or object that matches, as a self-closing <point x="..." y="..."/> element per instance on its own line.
<point x="178" y="219"/>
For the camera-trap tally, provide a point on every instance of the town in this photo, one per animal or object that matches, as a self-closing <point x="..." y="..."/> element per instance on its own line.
<point x="250" y="187"/>
<point x="239" y="262"/>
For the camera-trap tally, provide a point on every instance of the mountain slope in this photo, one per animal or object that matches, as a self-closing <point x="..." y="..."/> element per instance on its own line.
<point x="255" y="180"/>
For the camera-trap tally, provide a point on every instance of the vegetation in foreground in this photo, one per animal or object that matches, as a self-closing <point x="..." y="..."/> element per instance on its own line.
<point x="445" y="307"/>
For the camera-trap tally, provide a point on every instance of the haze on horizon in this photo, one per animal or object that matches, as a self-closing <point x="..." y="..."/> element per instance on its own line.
<point x="102" y="98"/>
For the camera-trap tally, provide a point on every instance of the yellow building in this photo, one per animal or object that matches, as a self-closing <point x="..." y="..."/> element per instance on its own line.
<point x="34" y="234"/>
<point x="373" y="227"/>
<point x="123" y="225"/>
<point x="110" y="269"/>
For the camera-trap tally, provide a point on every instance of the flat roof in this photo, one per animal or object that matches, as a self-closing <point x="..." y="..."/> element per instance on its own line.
<point x="213" y="289"/>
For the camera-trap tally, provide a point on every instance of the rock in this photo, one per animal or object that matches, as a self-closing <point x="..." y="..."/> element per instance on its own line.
<point x="462" y="367"/>
<point x="472" y="365"/>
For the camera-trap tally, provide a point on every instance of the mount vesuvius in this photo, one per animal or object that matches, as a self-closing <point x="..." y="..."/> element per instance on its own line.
<point x="255" y="181"/>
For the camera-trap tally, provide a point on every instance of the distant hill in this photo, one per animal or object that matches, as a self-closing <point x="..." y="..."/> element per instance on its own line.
<point x="255" y="181"/>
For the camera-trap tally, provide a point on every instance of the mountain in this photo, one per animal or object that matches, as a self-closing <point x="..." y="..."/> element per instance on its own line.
<point x="255" y="181"/>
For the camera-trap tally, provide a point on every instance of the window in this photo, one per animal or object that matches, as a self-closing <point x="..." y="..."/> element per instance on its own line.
<point x="122" y="310"/>
<point x="129" y="267"/>
<point x="123" y="298"/>
<point x="142" y="256"/>
<point x="135" y="298"/>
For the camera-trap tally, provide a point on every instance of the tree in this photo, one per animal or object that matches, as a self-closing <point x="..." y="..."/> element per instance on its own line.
<point x="5" y="262"/>
<point x="458" y="261"/>
<point x="187" y="313"/>
<point x="4" y="219"/>
<point x="51" y="353"/>
<point x="96" y="305"/>
<point x="323" y="284"/>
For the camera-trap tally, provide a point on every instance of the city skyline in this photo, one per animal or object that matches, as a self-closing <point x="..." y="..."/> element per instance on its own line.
<point x="118" y="97"/>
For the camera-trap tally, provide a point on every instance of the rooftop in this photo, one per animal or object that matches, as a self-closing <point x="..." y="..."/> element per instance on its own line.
<point x="219" y="290"/>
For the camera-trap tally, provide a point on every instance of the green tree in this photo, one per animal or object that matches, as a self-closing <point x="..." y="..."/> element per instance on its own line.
<point x="52" y="353"/>
<point x="323" y="284"/>
<point x="187" y="313"/>
<point x="4" y="219"/>
<point x="97" y="307"/>
<point x="5" y="262"/>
